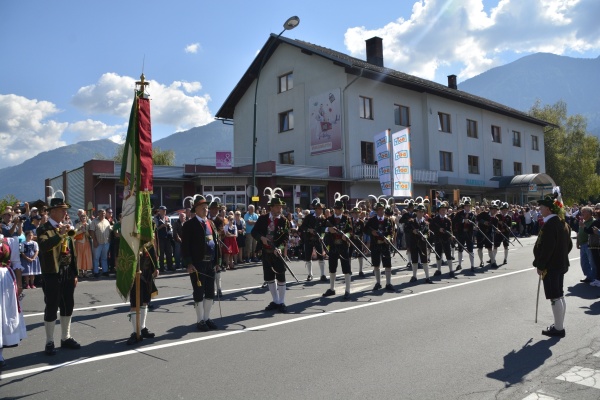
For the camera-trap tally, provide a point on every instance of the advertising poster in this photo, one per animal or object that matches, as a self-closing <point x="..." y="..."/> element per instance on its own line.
<point x="324" y="122"/>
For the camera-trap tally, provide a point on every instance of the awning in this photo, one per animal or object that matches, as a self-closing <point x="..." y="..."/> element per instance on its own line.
<point x="524" y="180"/>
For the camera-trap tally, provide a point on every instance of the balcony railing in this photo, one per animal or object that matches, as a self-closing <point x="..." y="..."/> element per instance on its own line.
<point x="369" y="172"/>
<point x="302" y="171"/>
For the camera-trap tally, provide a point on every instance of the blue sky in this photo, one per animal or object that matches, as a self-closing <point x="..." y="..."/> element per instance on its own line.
<point x="68" y="66"/>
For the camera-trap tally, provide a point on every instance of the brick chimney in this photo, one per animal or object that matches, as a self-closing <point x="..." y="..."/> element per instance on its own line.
<point x="452" y="82"/>
<point x="375" y="51"/>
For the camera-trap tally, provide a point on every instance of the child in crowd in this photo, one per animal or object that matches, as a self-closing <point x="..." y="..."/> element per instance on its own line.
<point x="30" y="260"/>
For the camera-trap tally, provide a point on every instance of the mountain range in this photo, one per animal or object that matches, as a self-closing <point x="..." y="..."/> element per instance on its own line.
<point x="546" y="77"/>
<point x="519" y="84"/>
<point x="26" y="180"/>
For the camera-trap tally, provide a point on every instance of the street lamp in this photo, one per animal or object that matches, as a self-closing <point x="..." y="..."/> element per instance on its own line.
<point x="290" y="24"/>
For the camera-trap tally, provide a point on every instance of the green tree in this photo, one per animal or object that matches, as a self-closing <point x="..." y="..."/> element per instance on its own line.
<point x="8" y="200"/>
<point x="572" y="155"/>
<point x="159" y="156"/>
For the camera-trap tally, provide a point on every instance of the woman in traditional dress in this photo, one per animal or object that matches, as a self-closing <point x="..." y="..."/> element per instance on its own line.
<point x="12" y="324"/>
<point x="230" y="250"/>
<point x="83" y="248"/>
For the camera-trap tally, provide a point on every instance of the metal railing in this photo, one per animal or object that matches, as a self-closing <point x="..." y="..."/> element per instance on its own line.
<point x="369" y="172"/>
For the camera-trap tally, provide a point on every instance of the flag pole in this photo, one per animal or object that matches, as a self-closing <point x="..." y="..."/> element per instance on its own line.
<point x="138" y="272"/>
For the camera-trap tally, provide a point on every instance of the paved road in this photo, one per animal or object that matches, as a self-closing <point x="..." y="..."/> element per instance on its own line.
<point x="473" y="337"/>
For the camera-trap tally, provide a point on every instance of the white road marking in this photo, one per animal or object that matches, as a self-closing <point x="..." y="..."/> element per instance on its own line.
<point x="582" y="376"/>
<point x="539" y="396"/>
<point x="145" y="349"/>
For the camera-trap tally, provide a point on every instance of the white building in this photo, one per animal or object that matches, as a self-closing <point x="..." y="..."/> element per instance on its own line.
<point x="318" y="110"/>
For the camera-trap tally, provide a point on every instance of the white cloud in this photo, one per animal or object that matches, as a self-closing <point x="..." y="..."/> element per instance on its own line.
<point x="192" y="48"/>
<point x="30" y="126"/>
<point x="463" y="34"/>
<point x="171" y="105"/>
<point x="26" y="130"/>
<point x="95" y="130"/>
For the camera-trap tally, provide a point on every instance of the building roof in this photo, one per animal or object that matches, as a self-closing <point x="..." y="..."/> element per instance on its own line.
<point x="367" y="70"/>
<point x="524" y="180"/>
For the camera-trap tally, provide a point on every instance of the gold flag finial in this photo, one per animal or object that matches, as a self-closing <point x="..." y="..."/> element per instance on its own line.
<point x="142" y="83"/>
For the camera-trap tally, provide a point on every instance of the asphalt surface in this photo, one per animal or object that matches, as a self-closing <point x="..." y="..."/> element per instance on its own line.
<point x="473" y="337"/>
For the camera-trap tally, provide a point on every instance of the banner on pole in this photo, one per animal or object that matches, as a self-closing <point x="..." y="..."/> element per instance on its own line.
<point x="402" y="170"/>
<point x="384" y="162"/>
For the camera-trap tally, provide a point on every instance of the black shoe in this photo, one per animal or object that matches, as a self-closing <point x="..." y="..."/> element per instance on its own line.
<point x="361" y="274"/>
<point x="428" y="280"/>
<point x="328" y="293"/>
<point x="272" y="306"/>
<point x="505" y="262"/>
<point x="309" y="278"/>
<point x="211" y="325"/>
<point x="146" y="334"/>
<point x="133" y="339"/>
<point x="586" y="280"/>
<point x="437" y="273"/>
<point x="452" y="274"/>
<point x="49" y="349"/>
<point x="481" y="265"/>
<point x="389" y="287"/>
<point x="377" y="286"/>
<point x="2" y="364"/>
<point x="553" y="332"/>
<point x="105" y="274"/>
<point x="202" y="327"/>
<point x="346" y="295"/>
<point x="70" y="343"/>
<point x="473" y="269"/>
<point x="409" y="266"/>
<point x="323" y="278"/>
<point x="494" y="266"/>
<point x="282" y="308"/>
<point x="458" y="267"/>
<point x="96" y="274"/>
<point x="413" y="279"/>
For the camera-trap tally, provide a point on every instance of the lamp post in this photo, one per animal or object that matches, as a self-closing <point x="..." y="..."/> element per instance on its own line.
<point x="290" y="24"/>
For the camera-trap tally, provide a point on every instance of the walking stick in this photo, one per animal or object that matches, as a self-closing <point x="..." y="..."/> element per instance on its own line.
<point x="537" y="297"/>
